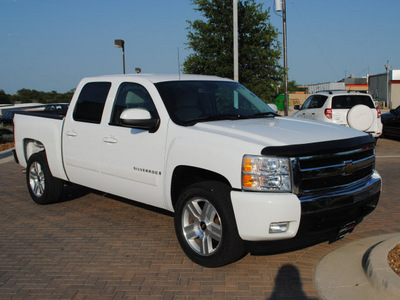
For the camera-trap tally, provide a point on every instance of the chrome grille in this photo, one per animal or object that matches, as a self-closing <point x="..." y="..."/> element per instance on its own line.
<point x="329" y="171"/>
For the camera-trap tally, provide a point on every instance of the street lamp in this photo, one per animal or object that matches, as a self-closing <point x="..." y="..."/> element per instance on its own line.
<point x="280" y="6"/>
<point x="121" y="44"/>
<point x="285" y="66"/>
<point x="235" y="42"/>
<point x="388" y="96"/>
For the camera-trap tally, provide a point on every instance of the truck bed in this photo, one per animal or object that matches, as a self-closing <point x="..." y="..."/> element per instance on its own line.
<point x="52" y="114"/>
<point x="37" y="131"/>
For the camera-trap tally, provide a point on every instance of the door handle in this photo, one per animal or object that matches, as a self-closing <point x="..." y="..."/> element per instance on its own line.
<point x="71" y="133"/>
<point x="110" y="140"/>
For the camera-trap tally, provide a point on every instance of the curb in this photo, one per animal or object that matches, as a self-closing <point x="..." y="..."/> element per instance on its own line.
<point x="341" y="274"/>
<point x="376" y="267"/>
<point x="6" y="155"/>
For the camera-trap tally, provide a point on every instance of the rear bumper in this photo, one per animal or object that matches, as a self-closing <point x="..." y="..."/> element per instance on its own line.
<point x="318" y="217"/>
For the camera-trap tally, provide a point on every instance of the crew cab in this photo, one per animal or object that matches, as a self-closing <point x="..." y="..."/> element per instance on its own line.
<point x="233" y="172"/>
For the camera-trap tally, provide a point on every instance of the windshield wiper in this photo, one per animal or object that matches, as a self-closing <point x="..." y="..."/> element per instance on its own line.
<point x="229" y="117"/>
<point x="264" y="114"/>
<point x="216" y="118"/>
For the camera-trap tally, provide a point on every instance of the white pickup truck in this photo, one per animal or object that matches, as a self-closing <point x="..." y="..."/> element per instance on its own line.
<point x="235" y="174"/>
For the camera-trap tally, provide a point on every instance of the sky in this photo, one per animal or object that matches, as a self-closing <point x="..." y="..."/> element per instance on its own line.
<point x="51" y="45"/>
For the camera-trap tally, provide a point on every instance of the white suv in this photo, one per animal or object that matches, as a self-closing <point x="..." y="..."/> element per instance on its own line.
<point x="352" y="109"/>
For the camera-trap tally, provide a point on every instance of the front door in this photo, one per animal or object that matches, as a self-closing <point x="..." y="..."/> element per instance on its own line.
<point x="133" y="158"/>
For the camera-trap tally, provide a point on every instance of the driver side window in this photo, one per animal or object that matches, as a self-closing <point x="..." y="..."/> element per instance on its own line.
<point x="131" y="95"/>
<point x="306" y="104"/>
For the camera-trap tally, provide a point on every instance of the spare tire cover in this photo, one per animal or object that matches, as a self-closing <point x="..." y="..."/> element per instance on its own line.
<point x="360" y="117"/>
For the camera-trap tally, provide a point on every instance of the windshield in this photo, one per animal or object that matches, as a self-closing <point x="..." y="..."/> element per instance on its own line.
<point x="189" y="102"/>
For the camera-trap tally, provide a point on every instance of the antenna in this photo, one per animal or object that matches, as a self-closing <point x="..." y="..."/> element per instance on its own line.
<point x="179" y="66"/>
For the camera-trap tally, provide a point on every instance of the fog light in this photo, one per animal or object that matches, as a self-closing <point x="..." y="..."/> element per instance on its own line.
<point x="278" y="227"/>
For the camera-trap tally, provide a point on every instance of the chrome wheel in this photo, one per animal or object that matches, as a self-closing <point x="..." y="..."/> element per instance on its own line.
<point x="201" y="226"/>
<point x="37" y="179"/>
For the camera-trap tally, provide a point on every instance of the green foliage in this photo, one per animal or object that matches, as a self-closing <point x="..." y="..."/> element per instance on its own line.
<point x="4" y="98"/>
<point x="29" y="96"/>
<point x="292" y="87"/>
<point x="211" y="40"/>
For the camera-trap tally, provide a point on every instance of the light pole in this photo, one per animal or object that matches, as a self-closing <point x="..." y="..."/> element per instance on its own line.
<point x="388" y="98"/>
<point x="281" y="6"/>
<point x="235" y="42"/>
<point x="286" y="103"/>
<point x="121" y="44"/>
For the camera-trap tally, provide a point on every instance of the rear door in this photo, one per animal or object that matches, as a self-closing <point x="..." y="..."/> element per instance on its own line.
<point x="83" y="135"/>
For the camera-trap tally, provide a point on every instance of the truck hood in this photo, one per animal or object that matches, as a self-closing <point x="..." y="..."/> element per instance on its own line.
<point x="278" y="131"/>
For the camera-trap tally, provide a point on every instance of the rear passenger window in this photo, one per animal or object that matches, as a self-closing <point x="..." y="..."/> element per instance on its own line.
<point x="321" y="100"/>
<point x="317" y="101"/>
<point x="349" y="101"/>
<point x="91" y="101"/>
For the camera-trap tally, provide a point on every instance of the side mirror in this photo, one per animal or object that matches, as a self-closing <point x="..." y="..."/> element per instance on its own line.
<point x="297" y="107"/>
<point x="140" y="119"/>
<point x="273" y="107"/>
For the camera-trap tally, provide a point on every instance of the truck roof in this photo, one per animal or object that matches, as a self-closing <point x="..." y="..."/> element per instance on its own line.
<point x="157" y="77"/>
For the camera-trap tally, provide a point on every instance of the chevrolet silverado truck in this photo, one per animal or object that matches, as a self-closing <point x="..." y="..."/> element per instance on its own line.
<point x="232" y="171"/>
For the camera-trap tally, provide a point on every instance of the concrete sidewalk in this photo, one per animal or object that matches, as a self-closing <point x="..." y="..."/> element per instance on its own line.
<point x="6" y="156"/>
<point x="359" y="271"/>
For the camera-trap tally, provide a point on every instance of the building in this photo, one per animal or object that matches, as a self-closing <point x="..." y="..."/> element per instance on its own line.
<point x="356" y="84"/>
<point x="326" y="86"/>
<point x="385" y="89"/>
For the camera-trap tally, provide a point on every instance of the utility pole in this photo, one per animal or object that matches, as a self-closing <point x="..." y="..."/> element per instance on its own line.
<point x="388" y="98"/>
<point x="121" y="44"/>
<point x="235" y="42"/>
<point x="280" y="6"/>
<point x="286" y="101"/>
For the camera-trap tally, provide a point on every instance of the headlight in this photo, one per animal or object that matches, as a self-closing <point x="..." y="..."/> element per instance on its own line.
<point x="262" y="173"/>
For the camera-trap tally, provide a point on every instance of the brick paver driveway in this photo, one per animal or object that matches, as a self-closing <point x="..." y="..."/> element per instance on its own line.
<point x="97" y="247"/>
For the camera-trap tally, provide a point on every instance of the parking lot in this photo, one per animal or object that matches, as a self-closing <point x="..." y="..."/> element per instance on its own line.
<point x="100" y="247"/>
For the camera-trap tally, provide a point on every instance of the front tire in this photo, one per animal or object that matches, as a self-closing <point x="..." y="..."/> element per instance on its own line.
<point x="205" y="225"/>
<point x="42" y="186"/>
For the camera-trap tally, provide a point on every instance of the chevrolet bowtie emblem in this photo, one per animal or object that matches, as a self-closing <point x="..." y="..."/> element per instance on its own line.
<point x="348" y="168"/>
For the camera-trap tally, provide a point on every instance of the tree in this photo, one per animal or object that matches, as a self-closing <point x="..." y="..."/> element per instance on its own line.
<point x="211" y="40"/>
<point x="28" y="96"/>
<point x="292" y="87"/>
<point x="4" y="98"/>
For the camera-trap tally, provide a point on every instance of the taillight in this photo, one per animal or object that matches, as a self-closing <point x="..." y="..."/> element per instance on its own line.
<point x="378" y="112"/>
<point x="328" y="113"/>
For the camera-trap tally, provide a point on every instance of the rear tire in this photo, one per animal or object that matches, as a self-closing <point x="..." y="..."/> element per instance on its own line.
<point x="205" y="225"/>
<point x="42" y="186"/>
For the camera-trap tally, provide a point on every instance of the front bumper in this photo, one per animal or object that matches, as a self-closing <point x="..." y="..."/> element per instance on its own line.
<point x="314" y="216"/>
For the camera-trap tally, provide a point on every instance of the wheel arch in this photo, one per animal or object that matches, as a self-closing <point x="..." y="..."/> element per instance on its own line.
<point x="184" y="176"/>
<point x="43" y="187"/>
<point x="31" y="147"/>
